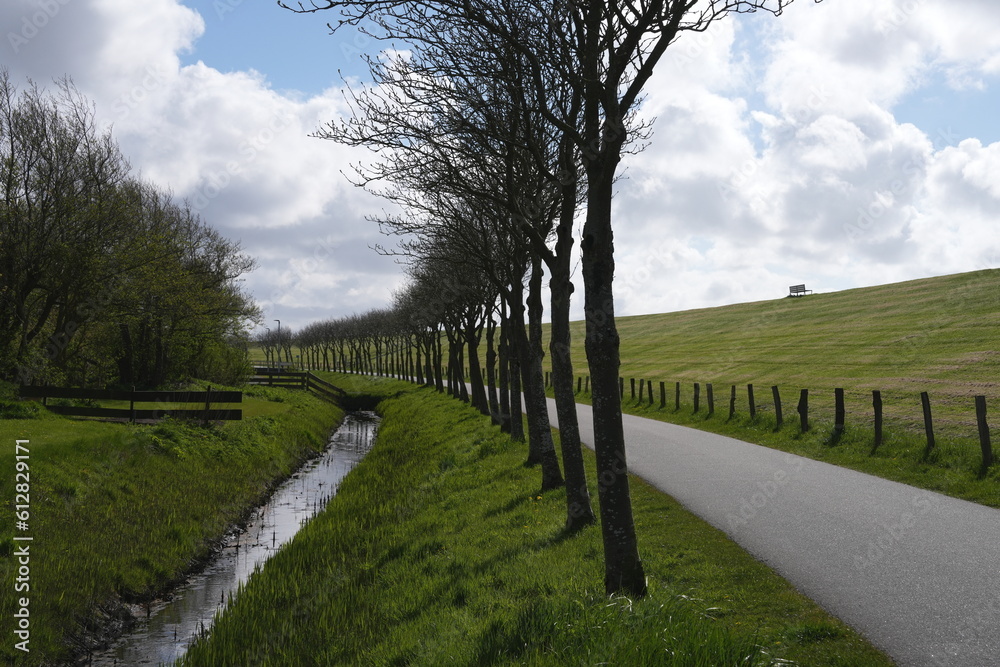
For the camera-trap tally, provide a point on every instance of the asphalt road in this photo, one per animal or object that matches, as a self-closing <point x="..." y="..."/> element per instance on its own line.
<point x="916" y="572"/>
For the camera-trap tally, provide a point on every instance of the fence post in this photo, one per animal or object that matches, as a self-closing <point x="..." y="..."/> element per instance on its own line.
<point x="677" y="397"/>
<point x="840" y="412"/>
<point x="777" y="405"/>
<point x="579" y="384"/>
<point x="925" y="401"/>
<point x="631" y="382"/>
<point x="753" y="404"/>
<point x="711" y="399"/>
<point x="984" y="432"/>
<point x="697" y="395"/>
<point x="621" y="386"/>
<point x="649" y="388"/>
<point x="208" y="403"/>
<point x="663" y="395"/>
<point x="803" y="410"/>
<point x="877" y="406"/>
<point x="642" y="383"/>
<point x="732" y="402"/>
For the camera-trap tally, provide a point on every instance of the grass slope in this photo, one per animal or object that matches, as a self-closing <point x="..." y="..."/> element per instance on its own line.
<point x="119" y="512"/>
<point x="940" y="335"/>
<point x="438" y="550"/>
<point x="937" y="335"/>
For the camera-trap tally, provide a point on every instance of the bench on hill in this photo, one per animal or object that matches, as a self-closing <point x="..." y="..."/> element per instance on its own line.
<point x="798" y="290"/>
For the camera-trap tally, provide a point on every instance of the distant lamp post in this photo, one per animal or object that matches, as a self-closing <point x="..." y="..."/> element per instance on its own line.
<point x="279" y="341"/>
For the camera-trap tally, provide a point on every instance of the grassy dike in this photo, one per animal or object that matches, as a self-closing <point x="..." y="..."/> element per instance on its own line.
<point x="439" y="550"/>
<point x="935" y="334"/>
<point x="120" y="513"/>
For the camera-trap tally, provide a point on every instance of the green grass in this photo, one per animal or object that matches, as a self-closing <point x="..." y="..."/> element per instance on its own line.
<point x="119" y="513"/>
<point x="439" y="550"/>
<point x="937" y="335"/>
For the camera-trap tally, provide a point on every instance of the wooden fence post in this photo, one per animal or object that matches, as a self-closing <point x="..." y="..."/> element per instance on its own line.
<point x="711" y="398"/>
<point x="642" y="384"/>
<point x="663" y="395"/>
<point x="984" y="432"/>
<point x="208" y="404"/>
<point x="732" y="402"/>
<point x="579" y="384"/>
<point x="877" y="406"/>
<point x="753" y="404"/>
<point x="631" y="382"/>
<point x="777" y="405"/>
<point x="803" y="410"/>
<point x="925" y="401"/>
<point x="697" y="395"/>
<point x="677" y="396"/>
<point x="649" y="391"/>
<point x="839" y="417"/>
<point x="621" y="387"/>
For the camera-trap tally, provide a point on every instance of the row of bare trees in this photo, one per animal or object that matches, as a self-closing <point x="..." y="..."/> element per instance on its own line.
<point x="496" y="126"/>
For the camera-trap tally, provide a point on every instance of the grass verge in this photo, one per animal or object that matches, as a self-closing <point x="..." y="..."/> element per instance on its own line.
<point x="438" y="550"/>
<point x="121" y="513"/>
<point x="953" y="467"/>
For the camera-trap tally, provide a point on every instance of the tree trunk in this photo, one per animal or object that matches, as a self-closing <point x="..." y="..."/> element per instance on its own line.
<point x="491" y="379"/>
<point x="513" y="366"/>
<point x="541" y="449"/>
<point x="473" y="332"/>
<point x="125" y="361"/>
<point x="579" y="512"/>
<point x="623" y="571"/>
<point x="438" y="379"/>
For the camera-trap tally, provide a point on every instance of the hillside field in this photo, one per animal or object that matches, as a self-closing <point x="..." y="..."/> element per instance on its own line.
<point x="940" y="335"/>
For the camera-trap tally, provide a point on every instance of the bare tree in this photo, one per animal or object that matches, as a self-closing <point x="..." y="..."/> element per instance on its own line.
<point x="605" y="52"/>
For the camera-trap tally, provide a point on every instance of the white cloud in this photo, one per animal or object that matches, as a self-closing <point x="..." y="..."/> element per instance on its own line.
<point x="821" y="184"/>
<point x="234" y="148"/>
<point x="768" y="166"/>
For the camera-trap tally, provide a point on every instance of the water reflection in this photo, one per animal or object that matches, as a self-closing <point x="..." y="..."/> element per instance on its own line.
<point x="172" y="625"/>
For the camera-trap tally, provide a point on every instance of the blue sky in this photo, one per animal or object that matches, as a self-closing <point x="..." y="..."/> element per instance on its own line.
<point x="295" y="51"/>
<point x="842" y="145"/>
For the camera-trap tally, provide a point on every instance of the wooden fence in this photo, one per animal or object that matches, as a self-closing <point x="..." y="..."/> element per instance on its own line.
<point x="278" y="377"/>
<point x="802" y="408"/>
<point x="206" y="398"/>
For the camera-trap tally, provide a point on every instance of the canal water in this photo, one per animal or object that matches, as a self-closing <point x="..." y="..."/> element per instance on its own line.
<point x="173" y="625"/>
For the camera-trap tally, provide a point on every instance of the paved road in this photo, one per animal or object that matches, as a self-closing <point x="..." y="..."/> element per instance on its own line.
<point x="916" y="572"/>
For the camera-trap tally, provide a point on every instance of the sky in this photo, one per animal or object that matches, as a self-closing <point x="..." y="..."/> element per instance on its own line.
<point x="845" y="144"/>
